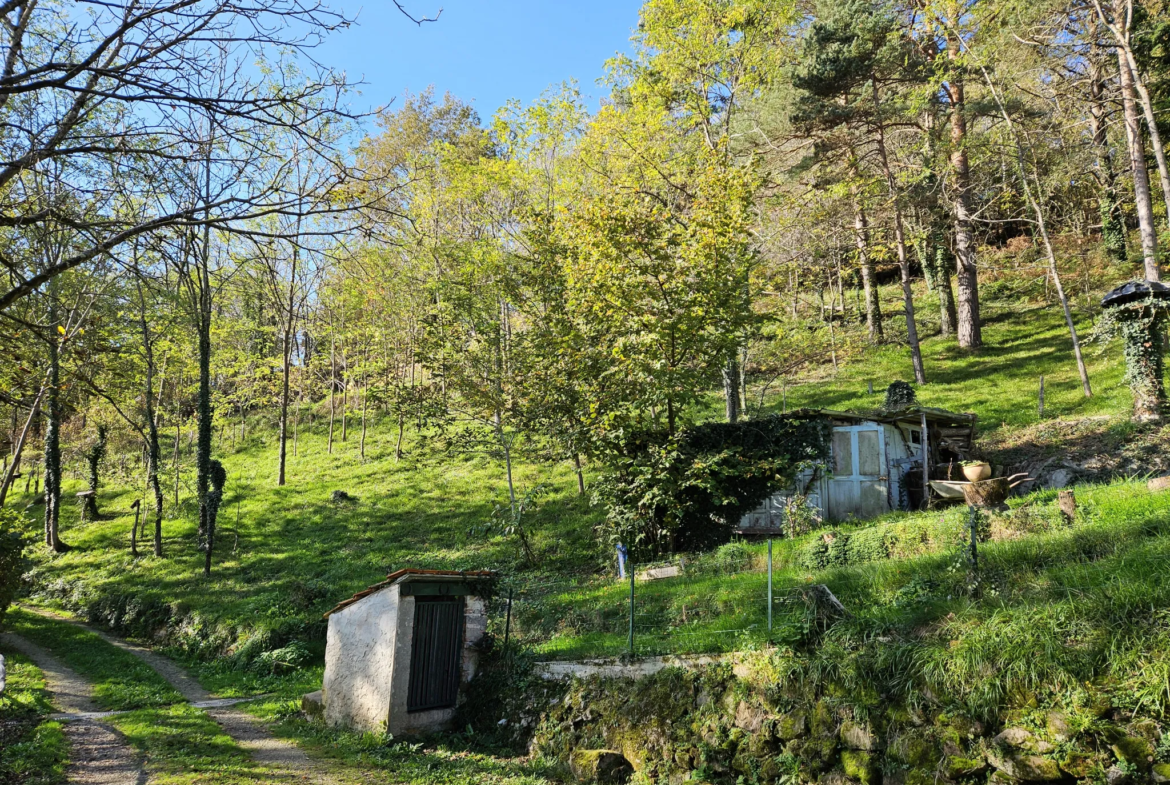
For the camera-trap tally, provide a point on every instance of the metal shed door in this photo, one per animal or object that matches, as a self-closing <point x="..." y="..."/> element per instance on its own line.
<point x="435" y="653"/>
<point x="857" y="488"/>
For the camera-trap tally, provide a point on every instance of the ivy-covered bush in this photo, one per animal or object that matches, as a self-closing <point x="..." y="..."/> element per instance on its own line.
<point x="1141" y="326"/>
<point x="686" y="491"/>
<point x="14" y="529"/>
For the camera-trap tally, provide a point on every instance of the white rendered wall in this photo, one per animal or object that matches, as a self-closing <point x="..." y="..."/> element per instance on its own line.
<point x="359" y="661"/>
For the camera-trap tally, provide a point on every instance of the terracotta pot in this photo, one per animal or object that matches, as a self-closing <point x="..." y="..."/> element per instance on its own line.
<point x="977" y="471"/>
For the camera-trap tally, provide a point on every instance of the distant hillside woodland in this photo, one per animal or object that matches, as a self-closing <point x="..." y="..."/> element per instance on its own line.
<point x="193" y="246"/>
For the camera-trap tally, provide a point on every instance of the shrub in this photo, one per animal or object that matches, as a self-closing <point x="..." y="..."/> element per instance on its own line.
<point x="14" y="529"/>
<point x="686" y="491"/>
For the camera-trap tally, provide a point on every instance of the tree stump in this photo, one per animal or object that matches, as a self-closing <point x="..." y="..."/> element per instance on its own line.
<point x="1068" y="506"/>
<point x="987" y="493"/>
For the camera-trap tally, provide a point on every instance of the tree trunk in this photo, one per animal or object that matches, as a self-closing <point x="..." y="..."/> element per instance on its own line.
<point x="731" y="389"/>
<point x="970" y="329"/>
<point x="903" y="256"/>
<point x="1137" y="163"/>
<point x="1112" y="216"/>
<point x="52" y="458"/>
<point x="18" y="446"/>
<point x="344" y="399"/>
<point x="398" y="444"/>
<point x="289" y="323"/>
<point x="948" y="317"/>
<point x="153" y="448"/>
<point x="364" y="394"/>
<point x="332" y="382"/>
<point x="1121" y="27"/>
<point x="178" y="441"/>
<point x="873" y="308"/>
<point x="203" y="406"/>
<point x="580" y="473"/>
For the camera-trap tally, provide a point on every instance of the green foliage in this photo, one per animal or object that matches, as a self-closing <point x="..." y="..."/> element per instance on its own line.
<point x="1141" y="326"/>
<point x="93" y="460"/>
<point x="899" y="396"/>
<point x="511" y="519"/>
<point x="685" y="492"/>
<point x="14" y="536"/>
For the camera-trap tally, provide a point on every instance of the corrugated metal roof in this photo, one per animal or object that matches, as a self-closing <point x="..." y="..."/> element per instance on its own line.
<point x="411" y="576"/>
<point x="909" y="413"/>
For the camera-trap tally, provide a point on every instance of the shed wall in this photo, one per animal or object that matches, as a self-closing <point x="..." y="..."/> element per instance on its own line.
<point x="359" y="662"/>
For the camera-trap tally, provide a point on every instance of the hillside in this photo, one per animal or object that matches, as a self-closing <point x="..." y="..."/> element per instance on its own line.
<point x="285" y="555"/>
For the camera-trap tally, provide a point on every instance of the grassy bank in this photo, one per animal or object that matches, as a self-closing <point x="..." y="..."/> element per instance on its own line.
<point x="902" y="572"/>
<point x="285" y="555"/>
<point x="33" y="748"/>
<point x="121" y="680"/>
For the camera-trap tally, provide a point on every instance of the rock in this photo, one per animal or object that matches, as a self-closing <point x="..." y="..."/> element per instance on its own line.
<point x="658" y="573"/>
<point x="1019" y="738"/>
<point x="817" y="754"/>
<point x="860" y="767"/>
<point x="823" y="723"/>
<point x="1161" y="772"/>
<point x="749" y="718"/>
<point x="857" y="737"/>
<point x="958" y="766"/>
<point x="1116" y="776"/>
<point x="1022" y="739"/>
<point x="313" y="705"/>
<point x="1078" y="764"/>
<point x="1021" y="766"/>
<point x="605" y="767"/>
<point x="1134" y="750"/>
<point x="999" y="778"/>
<point x="915" y="749"/>
<point x="791" y="726"/>
<point x="1159" y="484"/>
<point x="1060" y="478"/>
<point x="1058" y="727"/>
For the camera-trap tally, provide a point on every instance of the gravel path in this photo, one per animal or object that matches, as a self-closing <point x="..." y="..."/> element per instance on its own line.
<point x="98" y="753"/>
<point x="287" y="760"/>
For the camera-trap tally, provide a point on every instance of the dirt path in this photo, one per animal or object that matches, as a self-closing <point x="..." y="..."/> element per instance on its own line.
<point x="98" y="753"/>
<point x="286" y="759"/>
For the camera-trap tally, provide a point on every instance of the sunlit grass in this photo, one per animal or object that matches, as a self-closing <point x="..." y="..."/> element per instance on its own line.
<point x="120" y="680"/>
<point x="33" y="749"/>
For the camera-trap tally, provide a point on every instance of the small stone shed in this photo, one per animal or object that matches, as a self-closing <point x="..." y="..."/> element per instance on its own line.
<point x="875" y="464"/>
<point x="399" y="654"/>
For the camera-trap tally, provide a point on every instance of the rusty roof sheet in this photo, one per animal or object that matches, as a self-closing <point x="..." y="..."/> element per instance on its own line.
<point x="411" y="575"/>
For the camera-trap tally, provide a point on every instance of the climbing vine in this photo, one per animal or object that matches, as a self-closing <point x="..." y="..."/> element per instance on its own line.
<point x="1141" y="326"/>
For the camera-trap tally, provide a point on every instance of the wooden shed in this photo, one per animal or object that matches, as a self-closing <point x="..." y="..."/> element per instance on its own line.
<point x="875" y="465"/>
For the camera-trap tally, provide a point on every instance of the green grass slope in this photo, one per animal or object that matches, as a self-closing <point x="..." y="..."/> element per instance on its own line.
<point x="285" y="555"/>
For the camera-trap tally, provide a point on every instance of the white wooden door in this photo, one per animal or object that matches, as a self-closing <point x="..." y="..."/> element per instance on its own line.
<point x="858" y="486"/>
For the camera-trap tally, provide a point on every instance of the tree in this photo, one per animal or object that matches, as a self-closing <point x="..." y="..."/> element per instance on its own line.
<point x="854" y="60"/>
<point x="114" y="84"/>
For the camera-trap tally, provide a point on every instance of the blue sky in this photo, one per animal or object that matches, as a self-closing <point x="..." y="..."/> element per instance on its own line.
<point x="483" y="51"/>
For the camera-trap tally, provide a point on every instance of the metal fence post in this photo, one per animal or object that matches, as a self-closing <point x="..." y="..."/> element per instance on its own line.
<point x="508" y="621"/>
<point x="630" y="570"/>
<point x="769" y="585"/>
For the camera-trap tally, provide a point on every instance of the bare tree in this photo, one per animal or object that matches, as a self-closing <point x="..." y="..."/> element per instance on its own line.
<point x="95" y="81"/>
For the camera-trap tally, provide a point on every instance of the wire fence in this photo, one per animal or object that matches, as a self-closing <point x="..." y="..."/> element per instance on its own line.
<point x="743" y="596"/>
<point x="685" y="605"/>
